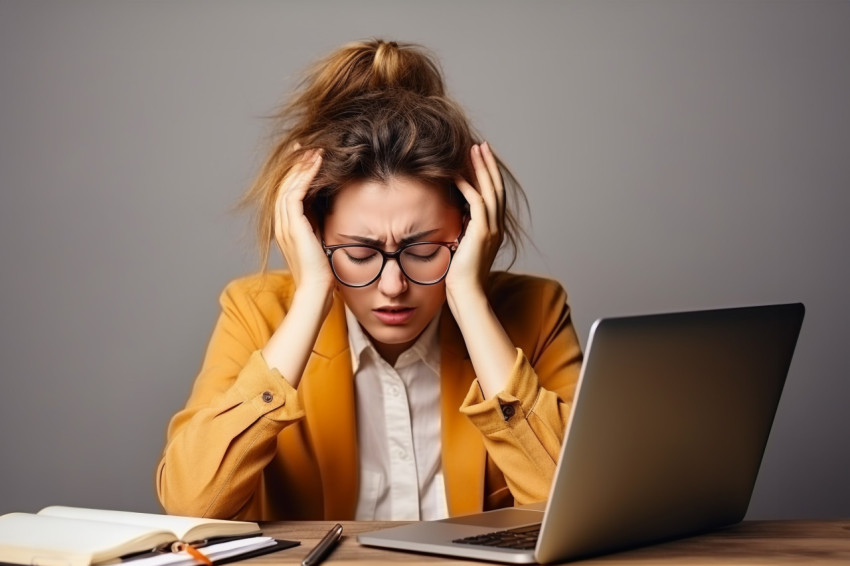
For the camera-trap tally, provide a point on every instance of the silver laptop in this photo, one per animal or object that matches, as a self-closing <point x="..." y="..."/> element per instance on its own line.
<point x="670" y="421"/>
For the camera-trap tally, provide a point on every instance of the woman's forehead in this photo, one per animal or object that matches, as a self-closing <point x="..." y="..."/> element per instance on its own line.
<point x="396" y="197"/>
<point x="394" y="210"/>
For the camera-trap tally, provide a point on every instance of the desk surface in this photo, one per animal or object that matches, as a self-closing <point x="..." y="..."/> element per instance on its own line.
<point x="785" y="543"/>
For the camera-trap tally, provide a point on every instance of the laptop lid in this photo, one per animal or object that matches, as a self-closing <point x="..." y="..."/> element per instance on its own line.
<point x="671" y="417"/>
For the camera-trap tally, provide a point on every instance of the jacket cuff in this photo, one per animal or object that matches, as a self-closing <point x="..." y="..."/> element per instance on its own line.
<point x="510" y="406"/>
<point x="267" y="391"/>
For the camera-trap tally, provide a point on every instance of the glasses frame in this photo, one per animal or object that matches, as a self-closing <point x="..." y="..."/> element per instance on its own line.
<point x="329" y="250"/>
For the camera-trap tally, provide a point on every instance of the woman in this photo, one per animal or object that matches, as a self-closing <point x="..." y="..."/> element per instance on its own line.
<point x="389" y="373"/>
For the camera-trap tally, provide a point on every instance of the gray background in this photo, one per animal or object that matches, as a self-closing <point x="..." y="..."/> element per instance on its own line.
<point x="676" y="155"/>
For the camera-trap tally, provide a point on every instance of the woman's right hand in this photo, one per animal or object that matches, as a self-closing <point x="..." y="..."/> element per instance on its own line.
<point x="294" y="234"/>
<point x="289" y="347"/>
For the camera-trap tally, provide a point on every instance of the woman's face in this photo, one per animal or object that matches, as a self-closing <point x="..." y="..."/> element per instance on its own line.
<point x="393" y="311"/>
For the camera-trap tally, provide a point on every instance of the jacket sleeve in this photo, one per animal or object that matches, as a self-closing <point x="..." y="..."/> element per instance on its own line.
<point x="219" y="444"/>
<point x="523" y="425"/>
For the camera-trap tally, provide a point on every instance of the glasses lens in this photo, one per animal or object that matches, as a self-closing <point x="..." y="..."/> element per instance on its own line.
<point x="425" y="263"/>
<point x="356" y="265"/>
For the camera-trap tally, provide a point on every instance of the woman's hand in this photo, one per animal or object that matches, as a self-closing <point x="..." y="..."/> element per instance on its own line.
<point x="484" y="231"/>
<point x="490" y="349"/>
<point x="293" y="232"/>
<point x="289" y="347"/>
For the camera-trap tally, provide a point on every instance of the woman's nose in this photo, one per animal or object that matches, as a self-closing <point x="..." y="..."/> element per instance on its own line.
<point x="392" y="281"/>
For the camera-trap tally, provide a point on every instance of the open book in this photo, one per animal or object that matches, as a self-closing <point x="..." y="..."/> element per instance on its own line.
<point x="73" y="536"/>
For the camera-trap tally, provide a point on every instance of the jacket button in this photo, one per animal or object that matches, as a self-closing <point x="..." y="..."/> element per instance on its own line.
<point x="267" y="396"/>
<point x="508" y="411"/>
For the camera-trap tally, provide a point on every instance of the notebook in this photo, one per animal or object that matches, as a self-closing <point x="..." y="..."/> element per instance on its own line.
<point x="670" y="421"/>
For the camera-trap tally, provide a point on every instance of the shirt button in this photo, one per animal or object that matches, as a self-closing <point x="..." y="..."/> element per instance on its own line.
<point x="508" y="411"/>
<point x="394" y="391"/>
<point x="267" y="396"/>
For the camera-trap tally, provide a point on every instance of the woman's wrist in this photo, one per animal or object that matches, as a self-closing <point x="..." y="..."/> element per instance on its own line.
<point x="289" y="347"/>
<point x="490" y="349"/>
<point x="465" y="291"/>
<point x="314" y="293"/>
<point x="469" y="305"/>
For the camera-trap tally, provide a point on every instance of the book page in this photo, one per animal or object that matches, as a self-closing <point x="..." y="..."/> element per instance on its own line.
<point x="214" y="552"/>
<point x="35" y="539"/>
<point x="187" y="529"/>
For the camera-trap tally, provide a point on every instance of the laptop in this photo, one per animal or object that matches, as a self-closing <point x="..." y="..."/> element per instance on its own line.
<point x="670" y="421"/>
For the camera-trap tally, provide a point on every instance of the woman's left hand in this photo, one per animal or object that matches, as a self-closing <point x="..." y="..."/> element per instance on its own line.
<point x="491" y="350"/>
<point x="484" y="231"/>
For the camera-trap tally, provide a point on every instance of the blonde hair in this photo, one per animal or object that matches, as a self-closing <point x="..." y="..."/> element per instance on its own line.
<point x="376" y="109"/>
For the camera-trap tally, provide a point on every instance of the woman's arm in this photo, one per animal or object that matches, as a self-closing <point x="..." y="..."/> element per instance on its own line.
<point x="219" y="444"/>
<point x="245" y="394"/>
<point x="289" y="347"/>
<point x="490" y="349"/>
<point x="523" y="424"/>
<point x="522" y="414"/>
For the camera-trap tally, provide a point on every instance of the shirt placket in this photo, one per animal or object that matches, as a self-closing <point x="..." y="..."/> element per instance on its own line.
<point x="403" y="480"/>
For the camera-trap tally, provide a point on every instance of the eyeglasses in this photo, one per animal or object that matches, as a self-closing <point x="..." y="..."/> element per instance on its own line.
<point x="359" y="265"/>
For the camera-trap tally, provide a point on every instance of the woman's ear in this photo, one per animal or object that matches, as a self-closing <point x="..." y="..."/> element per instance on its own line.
<point x="457" y="200"/>
<point x="318" y="226"/>
<point x="464" y="222"/>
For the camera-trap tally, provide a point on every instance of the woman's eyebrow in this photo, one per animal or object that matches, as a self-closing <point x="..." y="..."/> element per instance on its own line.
<point x="419" y="236"/>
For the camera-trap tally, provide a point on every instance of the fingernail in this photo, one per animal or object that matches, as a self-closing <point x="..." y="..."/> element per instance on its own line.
<point x="485" y="146"/>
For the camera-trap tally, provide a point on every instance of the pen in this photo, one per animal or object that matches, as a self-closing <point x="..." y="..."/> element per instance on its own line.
<point x="192" y="551"/>
<point x="321" y="550"/>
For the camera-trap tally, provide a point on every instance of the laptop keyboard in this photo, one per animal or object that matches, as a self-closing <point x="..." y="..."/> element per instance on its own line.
<point x="519" y="538"/>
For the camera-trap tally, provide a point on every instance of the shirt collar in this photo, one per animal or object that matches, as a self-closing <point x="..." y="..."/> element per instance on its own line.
<point x="426" y="348"/>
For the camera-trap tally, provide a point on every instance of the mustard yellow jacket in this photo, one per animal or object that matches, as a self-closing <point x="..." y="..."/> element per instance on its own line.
<point x="249" y="446"/>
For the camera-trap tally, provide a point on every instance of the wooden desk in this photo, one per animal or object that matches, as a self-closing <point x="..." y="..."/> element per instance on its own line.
<point x="785" y="543"/>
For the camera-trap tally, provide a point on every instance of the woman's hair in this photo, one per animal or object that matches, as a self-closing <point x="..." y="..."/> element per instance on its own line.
<point x="376" y="110"/>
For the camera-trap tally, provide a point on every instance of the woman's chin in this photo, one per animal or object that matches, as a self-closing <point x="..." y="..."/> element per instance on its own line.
<point x="395" y="336"/>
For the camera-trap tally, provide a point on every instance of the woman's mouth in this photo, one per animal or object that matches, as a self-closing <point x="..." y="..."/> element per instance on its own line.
<point x="394" y="315"/>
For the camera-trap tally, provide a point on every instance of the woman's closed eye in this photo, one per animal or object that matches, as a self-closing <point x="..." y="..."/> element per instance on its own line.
<point x="360" y="255"/>
<point x="423" y="252"/>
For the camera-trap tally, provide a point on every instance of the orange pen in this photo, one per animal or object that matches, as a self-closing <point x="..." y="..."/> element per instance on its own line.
<point x="192" y="551"/>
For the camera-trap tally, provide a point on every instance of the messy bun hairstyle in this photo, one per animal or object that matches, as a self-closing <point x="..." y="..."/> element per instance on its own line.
<point x="377" y="110"/>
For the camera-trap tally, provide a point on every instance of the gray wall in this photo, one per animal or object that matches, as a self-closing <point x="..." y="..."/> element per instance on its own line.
<point x="676" y="155"/>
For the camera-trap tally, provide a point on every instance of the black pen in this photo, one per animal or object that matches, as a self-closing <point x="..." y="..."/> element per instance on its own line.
<point x="321" y="550"/>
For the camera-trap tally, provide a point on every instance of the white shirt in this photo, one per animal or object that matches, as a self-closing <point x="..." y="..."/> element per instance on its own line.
<point x="398" y="428"/>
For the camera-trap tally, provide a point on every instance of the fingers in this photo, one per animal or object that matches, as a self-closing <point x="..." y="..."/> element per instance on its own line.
<point x="473" y="198"/>
<point x="297" y="181"/>
<point x="485" y="186"/>
<point x="289" y="218"/>
<point x="490" y="192"/>
<point x="498" y="185"/>
<point x="296" y="189"/>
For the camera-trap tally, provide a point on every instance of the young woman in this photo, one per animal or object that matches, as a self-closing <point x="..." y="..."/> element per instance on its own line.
<point x="388" y="374"/>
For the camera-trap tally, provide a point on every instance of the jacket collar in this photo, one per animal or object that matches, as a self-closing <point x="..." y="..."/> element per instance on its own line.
<point x="463" y="448"/>
<point x="327" y="393"/>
